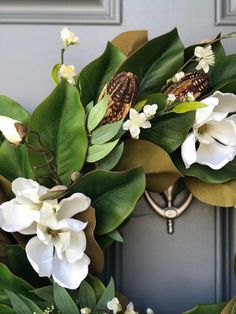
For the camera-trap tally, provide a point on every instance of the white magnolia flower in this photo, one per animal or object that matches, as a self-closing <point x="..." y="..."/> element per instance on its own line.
<point x="213" y="132"/>
<point x="135" y="122"/>
<point x="68" y="73"/>
<point x="85" y="310"/>
<point x="21" y="213"/>
<point x="171" y="98"/>
<point x="58" y="249"/>
<point x="114" y="305"/>
<point x="130" y="309"/>
<point x="68" y="37"/>
<point x="178" y="76"/>
<point x="150" y="111"/>
<point x="13" y="130"/>
<point x="205" y="56"/>
<point x="149" y="311"/>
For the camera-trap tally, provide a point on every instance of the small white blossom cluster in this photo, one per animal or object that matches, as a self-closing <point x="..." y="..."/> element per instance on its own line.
<point x="205" y="58"/>
<point x="58" y="247"/>
<point x="115" y="306"/>
<point x="139" y="120"/>
<point x="67" y="72"/>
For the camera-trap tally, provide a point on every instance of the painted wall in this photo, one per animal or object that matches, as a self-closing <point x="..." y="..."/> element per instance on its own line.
<point x="28" y="52"/>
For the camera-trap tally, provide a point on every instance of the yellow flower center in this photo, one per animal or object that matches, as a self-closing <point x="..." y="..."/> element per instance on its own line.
<point x="202" y="129"/>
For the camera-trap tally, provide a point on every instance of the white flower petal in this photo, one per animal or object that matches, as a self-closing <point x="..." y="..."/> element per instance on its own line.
<point x="188" y="150"/>
<point x="76" y="247"/>
<point x="203" y="114"/>
<point x="71" y="224"/>
<point x="43" y="235"/>
<point x="32" y="229"/>
<point x="215" y="155"/>
<point x="61" y="243"/>
<point x="133" y="114"/>
<point x="9" y="130"/>
<point x="40" y="256"/>
<point x="70" y="275"/>
<point x="227" y="102"/>
<point x="146" y="125"/>
<point x="127" y="125"/>
<point x="16" y="217"/>
<point x="223" y="131"/>
<point x="73" y="205"/>
<point x="27" y="190"/>
<point x="135" y="131"/>
<point x="48" y="215"/>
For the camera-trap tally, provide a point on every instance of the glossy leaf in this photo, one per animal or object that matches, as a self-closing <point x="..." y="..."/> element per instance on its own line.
<point x="113" y="194"/>
<point x="31" y="305"/>
<point x="205" y="173"/>
<point x="97" y="285"/>
<point x="96" y="114"/>
<point x="157" y="98"/>
<point x="129" y="42"/>
<point x="14" y="161"/>
<point x="6" y="309"/>
<point x="207" y="309"/>
<point x="108" y="294"/>
<point x="45" y="293"/>
<point x="96" y="74"/>
<point x="87" y="297"/>
<point x="106" y="132"/>
<point x="159" y="168"/>
<point x="116" y="236"/>
<point x="169" y="131"/>
<point x="63" y="300"/>
<point x="155" y="62"/>
<point x="18" y="305"/>
<point x="54" y="73"/>
<point x="139" y="106"/>
<point x="60" y="122"/>
<point x="188" y="106"/>
<point x="223" y="72"/>
<point x="97" y="152"/>
<point x="112" y="159"/>
<point x="12" y="109"/>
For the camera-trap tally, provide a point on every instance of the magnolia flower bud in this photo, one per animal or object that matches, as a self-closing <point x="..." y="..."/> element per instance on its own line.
<point x="54" y="193"/>
<point x="68" y="73"/>
<point x="122" y="93"/>
<point x="196" y="83"/>
<point x="68" y="37"/>
<point x="13" y="130"/>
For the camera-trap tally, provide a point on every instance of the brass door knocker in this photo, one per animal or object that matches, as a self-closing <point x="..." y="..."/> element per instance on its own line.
<point x="170" y="212"/>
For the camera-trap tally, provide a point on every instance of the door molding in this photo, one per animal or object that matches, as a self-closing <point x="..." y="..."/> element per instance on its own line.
<point x="225" y="12"/>
<point x="60" y="12"/>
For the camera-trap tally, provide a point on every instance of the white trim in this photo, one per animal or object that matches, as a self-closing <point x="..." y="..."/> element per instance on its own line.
<point x="57" y="12"/>
<point x="225" y="12"/>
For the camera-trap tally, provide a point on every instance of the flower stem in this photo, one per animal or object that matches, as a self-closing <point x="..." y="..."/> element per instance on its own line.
<point x="62" y="55"/>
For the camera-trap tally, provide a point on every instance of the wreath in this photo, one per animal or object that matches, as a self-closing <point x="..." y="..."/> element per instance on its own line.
<point x="142" y="116"/>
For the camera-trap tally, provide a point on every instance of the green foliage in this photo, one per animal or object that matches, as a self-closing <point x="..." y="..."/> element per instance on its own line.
<point x="106" y="132"/>
<point x="116" y="236"/>
<point x="18" y="304"/>
<point x="54" y="73"/>
<point x="63" y="300"/>
<point x="12" y="109"/>
<point x="188" y="106"/>
<point x="155" y="62"/>
<point x="98" y="152"/>
<point x="111" y="160"/>
<point x="108" y="294"/>
<point x="96" y="74"/>
<point x="6" y="309"/>
<point x="113" y="194"/>
<point x="87" y="297"/>
<point x="207" y="309"/>
<point x="157" y="98"/>
<point x="60" y="121"/>
<point x="169" y="131"/>
<point x="96" y="114"/>
<point x="97" y="285"/>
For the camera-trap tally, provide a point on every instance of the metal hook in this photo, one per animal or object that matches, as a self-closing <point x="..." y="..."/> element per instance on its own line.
<point x="170" y="212"/>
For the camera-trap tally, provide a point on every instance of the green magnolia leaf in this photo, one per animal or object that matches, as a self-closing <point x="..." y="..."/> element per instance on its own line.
<point x="169" y="131"/>
<point x="12" y="109"/>
<point x="108" y="294"/>
<point x="207" y="309"/>
<point x="106" y="132"/>
<point x="88" y="107"/>
<point x="115" y="235"/>
<point x="155" y="62"/>
<point x="6" y="309"/>
<point x="111" y="160"/>
<point x="97" y="152"/>
<point x="87" y="297"/>
<point x="63" y="134"/>
<point x="63" y="300"/>
<point x="95" y="75"/>
<point x="188" y="106"/>
<point x="113" y="194"/>
<point x="205" y="173"/>
<point x="97" y="285"/>
<point x="18" y="305"/>
<point x="45" y="293"/>
<point x="54" y="73"/>
<point x="139" y="106"/>
<point x="20" y="266"/>
<point x="96" y="114"/>
<point x="31" y="305"/>
<point x="223" y="72"/>
<point x="157" y="98"/>
<point x="14" y="161"/>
